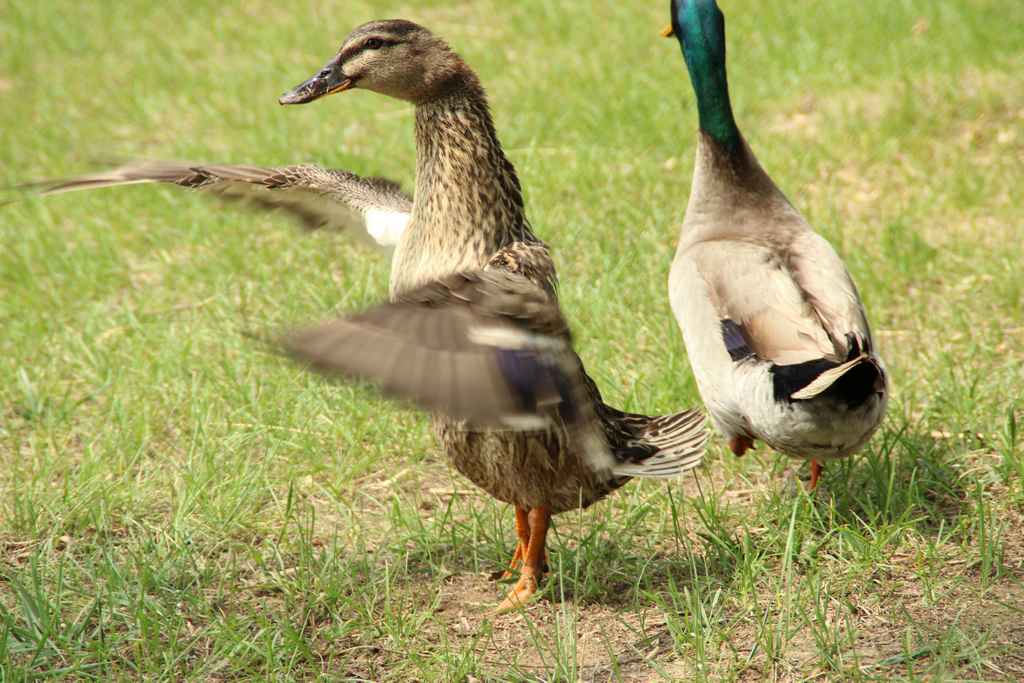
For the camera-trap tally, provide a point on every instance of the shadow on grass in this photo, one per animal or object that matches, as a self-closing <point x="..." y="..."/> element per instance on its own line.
<point x="599" y="558"/>
<point x="908" y="477"/>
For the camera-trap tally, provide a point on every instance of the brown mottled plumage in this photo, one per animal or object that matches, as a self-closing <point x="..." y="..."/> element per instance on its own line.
<point x="468" y="226"/>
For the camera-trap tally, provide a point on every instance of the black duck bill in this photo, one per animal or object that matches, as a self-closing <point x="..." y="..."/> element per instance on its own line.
<point x="327" y="81"/>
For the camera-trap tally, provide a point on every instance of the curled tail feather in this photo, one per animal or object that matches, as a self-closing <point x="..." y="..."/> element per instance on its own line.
<point x="656" y="447"/>
<point x="863" y="372"/>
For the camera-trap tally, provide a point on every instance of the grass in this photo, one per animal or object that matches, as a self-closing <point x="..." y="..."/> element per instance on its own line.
<point x="176" y="504"/>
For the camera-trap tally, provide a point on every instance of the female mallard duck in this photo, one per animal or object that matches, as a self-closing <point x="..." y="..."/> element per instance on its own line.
<point x="773" y="325"/>
<point x="473" y="331"/>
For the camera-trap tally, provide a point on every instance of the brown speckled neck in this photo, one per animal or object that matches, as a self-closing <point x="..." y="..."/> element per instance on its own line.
<point x="468" y="203"/>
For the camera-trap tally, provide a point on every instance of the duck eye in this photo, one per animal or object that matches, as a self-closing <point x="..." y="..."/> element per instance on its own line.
<point x="373" y="44"/>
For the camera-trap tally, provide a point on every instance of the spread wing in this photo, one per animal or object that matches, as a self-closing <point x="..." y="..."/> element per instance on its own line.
<point x="374" y="209"/>
<point x="489" y="347"/>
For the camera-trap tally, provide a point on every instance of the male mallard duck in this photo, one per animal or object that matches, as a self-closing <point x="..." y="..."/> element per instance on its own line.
<point x="473" y="332"/>
<point x="373" y="209"/>
<point x="773" y="325"/>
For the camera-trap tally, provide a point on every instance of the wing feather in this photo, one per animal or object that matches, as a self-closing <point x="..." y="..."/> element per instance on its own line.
<point x="487" y="347"/>
<point x="827" y="286"/>
<point x="375" y="210"/>
<point x="788" y="308"/>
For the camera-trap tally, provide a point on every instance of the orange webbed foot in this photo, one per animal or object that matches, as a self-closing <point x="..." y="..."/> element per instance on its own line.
<point x="525" y="588"/>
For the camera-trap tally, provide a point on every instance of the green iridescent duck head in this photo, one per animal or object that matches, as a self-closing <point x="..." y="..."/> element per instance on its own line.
<point x="699" y="26"/>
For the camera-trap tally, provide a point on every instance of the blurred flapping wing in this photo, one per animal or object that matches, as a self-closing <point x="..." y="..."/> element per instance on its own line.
<point x="375" y="210"/>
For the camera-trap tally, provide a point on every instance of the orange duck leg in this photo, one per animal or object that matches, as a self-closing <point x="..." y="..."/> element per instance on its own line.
<point x="740" y="445"/>
<point x="815" y="473"/>
<point x="523" y="542"/>
<point x="532" y="559"/>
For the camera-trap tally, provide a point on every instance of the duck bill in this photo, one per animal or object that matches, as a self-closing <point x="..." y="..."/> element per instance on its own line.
<point x="667" y="32"/>
<point x="327" y="81"/>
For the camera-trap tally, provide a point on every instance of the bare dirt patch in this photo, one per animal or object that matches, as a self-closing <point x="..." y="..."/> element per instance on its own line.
<point x="602" y="639"/>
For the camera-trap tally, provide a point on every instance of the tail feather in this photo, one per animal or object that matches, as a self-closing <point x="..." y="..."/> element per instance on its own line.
<point x="658" y="447"/>
<point x="869" y="374"/>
